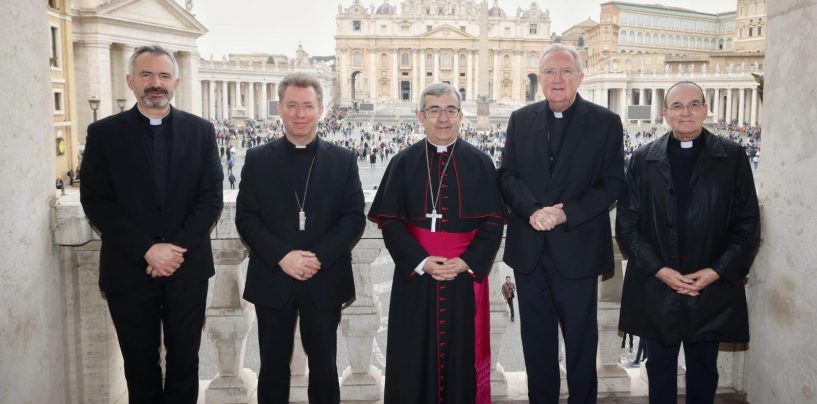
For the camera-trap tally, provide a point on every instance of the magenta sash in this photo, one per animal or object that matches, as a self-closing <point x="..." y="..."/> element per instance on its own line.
<point x="451" y="245"/>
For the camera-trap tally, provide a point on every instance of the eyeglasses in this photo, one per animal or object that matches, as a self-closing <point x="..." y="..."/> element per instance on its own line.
<point x="693" y="106"/>
<point x="565" y="72"/>
<point x="435" y="112"/>
<point x="294" y="107"/>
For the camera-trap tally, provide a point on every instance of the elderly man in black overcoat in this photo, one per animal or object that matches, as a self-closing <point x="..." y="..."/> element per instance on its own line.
<point x="689" y="225"/>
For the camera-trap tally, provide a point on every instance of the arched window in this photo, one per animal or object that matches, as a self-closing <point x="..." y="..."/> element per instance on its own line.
<point x="463" y="60"/>
<point x="446" y="59"/>
<point x="429" y="61"/>
<point x="622" y="36"/>
<point x="532" y="61"/>
<point x="384" y="60"/>
<point x="506" y="61"/>
<point x="357" y="59"/>
<point x="404" y="59"/>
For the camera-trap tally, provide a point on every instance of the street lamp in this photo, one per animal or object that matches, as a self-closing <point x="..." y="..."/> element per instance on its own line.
<point x="94" y="103"/>
<point x="121" y="103"/>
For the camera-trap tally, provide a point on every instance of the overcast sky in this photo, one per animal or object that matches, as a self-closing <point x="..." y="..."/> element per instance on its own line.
<point x="277" y="26"/>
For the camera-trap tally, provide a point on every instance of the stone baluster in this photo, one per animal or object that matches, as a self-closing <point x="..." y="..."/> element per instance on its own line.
<point x="229" y="319"/>
<point x="499" y="324"/>
<point x="361" y="380"/>
<point x="611" y="375"/>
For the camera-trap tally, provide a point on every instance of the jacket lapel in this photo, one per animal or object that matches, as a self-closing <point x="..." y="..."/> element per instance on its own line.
<point x="713" y="150"/>
<point x="658" y="154"/>
<point x="178" y="149"/>
<point x="278" y="169"/>
<point x="540" y="141"/>
<point x="134" y="133"/>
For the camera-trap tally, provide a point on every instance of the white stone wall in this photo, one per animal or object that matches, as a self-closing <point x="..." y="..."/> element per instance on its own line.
<point x="31" y="318"/>
<point x="780" y="364"/>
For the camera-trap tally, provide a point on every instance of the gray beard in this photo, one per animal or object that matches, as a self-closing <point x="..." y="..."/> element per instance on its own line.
<point x="159" y="104"/>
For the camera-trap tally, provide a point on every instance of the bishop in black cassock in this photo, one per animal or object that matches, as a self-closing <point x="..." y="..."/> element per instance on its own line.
<point x="438" y="343"/>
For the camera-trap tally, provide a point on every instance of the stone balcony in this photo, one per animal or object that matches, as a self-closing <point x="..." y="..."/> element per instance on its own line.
<point x="94" y="364"/>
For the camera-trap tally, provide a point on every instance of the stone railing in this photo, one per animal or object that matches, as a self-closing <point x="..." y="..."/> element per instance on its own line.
<point x="94" y="364"/>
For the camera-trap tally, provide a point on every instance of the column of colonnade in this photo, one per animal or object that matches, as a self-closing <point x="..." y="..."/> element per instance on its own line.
<point x="221" y="97"/>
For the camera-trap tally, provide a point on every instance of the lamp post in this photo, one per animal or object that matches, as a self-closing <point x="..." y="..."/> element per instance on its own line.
<point x="121" y="103"/>
<point x="94" y="103"/>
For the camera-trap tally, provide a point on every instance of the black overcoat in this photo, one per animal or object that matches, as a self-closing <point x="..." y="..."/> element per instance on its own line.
<point x="722" y="233"/>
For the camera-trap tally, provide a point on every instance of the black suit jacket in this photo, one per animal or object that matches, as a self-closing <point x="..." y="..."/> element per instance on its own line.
<point x="118" y="194"/>
<point x="267" y="219"/>
<point x="588" y="177"/>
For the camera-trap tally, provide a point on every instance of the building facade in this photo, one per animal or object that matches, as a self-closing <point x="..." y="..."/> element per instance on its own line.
<point x="637" y="51"/>
<point x="61" y="64"/>
<point x="245" y="86"/>
<point x="386" y="55"/>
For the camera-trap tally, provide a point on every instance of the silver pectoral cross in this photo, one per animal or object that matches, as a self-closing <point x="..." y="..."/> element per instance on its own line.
<point x="301" y="220"/>
<point x="434" y="216"/>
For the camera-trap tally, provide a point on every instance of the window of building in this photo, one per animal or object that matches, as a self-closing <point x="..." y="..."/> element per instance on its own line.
<point x="506" y="62"/>
<point x="751" y="30"/>
<point x="429" y="61"/>
<point x="404" y="59"/>
<point x="54" y="55"/>
<point x="446" y="60"/>
<point x="357" y="59"/>
<point x="384" y="60"/>
<point x="428" y="28"/>
<point x="759" y="31"/>
<point x="428" y="74"/>
<point x="507" y="31"/>
<point x="532" y="61"/>
<point x="533" y="29"/>
<point x="52" y="3"/>
<point x="404" y="28"/>
<point x="59" y="102"/>
<point x="462" y="28"/>
<point x="356" y="25"/>
<point x="383" y="28"/>
<point x="463" y="61"/>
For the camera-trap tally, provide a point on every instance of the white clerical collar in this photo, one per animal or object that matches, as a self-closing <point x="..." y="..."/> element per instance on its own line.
<point x="441" y="149"/>
<point x="154" y="121"/>
<point x="558" y="114"/>
<point x="687" y="144"/>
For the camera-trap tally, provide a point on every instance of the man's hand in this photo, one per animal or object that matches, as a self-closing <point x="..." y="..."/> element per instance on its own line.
<point x="164" y="259"/>
<point x="301" y="265"/>
<point x="682" y="284"/>
<point x="704" y="277"/>
<point x="548" y="217"/>
<point x="444" y="269"/>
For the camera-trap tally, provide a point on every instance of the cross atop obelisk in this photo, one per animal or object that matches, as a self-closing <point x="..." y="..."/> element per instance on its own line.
<point x="483" y="106"/>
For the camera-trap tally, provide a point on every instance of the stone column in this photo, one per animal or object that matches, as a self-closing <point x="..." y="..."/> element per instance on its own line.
<point x="371" y="75"/>
<point x="741" y="105"/>
<point x="92" y="62"/>
<point x="436" y="70"/>
<point x="499" y="324"/>
<point x="251" y="100"/>
<point x="728" y="106"/>
<point x="456" y="69"/>
<point x="229" y="319"/>
<point x="395" y="81"/>
<point x="612" y="376"/>
<point x="470" y="76"/>
<point x="32" y="359"/>
<point x="361" y="380"/>
<point x="263" y="111"/>
<point x="497" y="73"/>
<point x="754" y="107"/>
<point x="120" y="55"/>
<point x="417" y="70"/>
<point x="716" y="99"/>
<point x="189" y="89"/>
<point x="622" y="102"/>
<point x="655" y="109"/>
<point x="211" y="99"/>
<point x="225" y="104"/>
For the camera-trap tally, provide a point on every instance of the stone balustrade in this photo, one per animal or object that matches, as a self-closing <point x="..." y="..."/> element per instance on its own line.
<point x="94" y="363"/>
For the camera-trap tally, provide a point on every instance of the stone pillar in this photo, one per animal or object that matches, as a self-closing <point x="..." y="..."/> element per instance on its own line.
<point x="781" y="283"/>
<point x="754" y="107"/>
<point x="211" y="99"/>
<point x="92" y="65"/>
<point x="499" y="324"/>
<point x="612" y="376"/>
<point x="189" y="90"/>
<point x="229" y="319"/>
<point x="225" y="103"/>
<point x="263" y="112"/>
<point x="456" y="69"/>
<point x="31" y="326"/>
<point x="120" y="55"/>
<point x="496" y="93"/>
<point x="716" y="99"/>
<point x="359" y="324"/>
<point x="728" y="114"/>
<point x="622" y="102"/>
<point x="655" y="109"/>
<point x="741" y="105"/>
<point x="251" y="100"/>
<point x="436" y="71"/>
<point x="470" y="76"/>
<point x="395" y="81"/>
<point x="371" y="75"/>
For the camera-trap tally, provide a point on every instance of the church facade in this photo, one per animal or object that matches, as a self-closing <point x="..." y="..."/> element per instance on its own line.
<point x="386" y="55"/>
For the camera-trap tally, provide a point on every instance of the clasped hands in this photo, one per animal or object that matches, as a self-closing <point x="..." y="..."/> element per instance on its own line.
<point x="164" y="259"/>
<point x="689" y="284"/>
<point x="444" y="269"/>
<point x="301" y="265"/>
<point x="548" y="217"/>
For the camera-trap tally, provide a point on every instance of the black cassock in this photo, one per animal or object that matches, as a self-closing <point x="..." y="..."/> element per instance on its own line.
<point x="430" y="353"/>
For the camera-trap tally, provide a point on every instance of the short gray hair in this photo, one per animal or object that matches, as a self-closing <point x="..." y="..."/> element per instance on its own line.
<point x="303" y="80"/>
<point x="155" y="50"/>
<point x="437" y="90"/>
<point x="558" y="47"/>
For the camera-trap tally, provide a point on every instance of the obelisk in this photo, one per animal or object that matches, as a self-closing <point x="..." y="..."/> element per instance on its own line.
<point x="483" y="106"/>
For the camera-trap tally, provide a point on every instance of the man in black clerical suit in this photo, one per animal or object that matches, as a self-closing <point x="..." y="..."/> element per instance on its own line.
<point x="562" y="169"/>
<point x="442" y="216"/>
<point x="151" y="184"/>
<point x="300" y="211"/>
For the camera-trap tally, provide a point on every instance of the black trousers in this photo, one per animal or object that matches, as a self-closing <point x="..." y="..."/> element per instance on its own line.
<point x="276" y="333"/>
<point x="701" y="372"/>
<point x="510" y="304"/>
<point x="177" y="308"/>
<point x="546" y="299"/>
